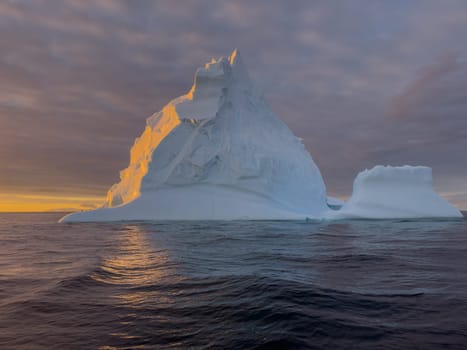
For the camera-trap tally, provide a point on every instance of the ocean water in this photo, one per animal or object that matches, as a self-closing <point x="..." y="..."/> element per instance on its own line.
<point x="232" y="285"/>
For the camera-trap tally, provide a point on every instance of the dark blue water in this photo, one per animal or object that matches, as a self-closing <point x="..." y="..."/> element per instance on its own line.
<point x="232" y="285"/>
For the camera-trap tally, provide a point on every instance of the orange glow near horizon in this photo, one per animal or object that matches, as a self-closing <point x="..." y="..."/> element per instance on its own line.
<point x="43" y="203"/>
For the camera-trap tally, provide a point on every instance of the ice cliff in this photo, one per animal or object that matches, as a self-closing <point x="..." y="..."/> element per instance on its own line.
<point x="218" y="152"/>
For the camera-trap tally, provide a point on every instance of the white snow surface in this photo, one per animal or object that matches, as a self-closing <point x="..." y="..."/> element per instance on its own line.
<point x="216" y="153"/>
<point x="386" y="192"/>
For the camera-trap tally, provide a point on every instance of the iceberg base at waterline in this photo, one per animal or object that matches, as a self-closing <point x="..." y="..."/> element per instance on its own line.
<point x="384" y="192"/>
<point x="197" y="202"/>
<point x="387" y="192"/>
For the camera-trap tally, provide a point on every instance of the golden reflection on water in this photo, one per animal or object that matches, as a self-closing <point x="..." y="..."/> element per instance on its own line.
<point x="137" y="268"/>
<point x="136" y="264"/>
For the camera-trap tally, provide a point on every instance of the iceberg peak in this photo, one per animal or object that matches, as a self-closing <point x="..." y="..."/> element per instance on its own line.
<point x="235" y="57"/>
<point x="220" y="73"/>
<point x="237" y="65"/>
<point x="211" y="84"/>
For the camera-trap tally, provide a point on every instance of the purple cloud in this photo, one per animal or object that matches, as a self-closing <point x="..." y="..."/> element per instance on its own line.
<point x="79" y="79"/>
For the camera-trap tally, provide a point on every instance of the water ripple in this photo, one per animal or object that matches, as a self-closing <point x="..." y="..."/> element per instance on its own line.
<point x="232" y="285"/>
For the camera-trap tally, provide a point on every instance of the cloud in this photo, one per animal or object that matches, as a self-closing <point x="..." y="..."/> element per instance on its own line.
<point x="439" y="87"/>
<point x="436" y="101"/>
<point x="79" y="79"/>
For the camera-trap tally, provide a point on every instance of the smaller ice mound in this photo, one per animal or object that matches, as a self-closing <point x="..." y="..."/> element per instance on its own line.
<point x="387" y="192"/>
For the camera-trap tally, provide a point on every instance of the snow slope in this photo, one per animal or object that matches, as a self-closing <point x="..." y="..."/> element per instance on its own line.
<point x="386" y="192"/>
<point x="215" y="153"/>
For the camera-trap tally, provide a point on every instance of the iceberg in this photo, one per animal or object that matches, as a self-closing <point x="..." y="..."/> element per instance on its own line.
<point x="220" y="153"/>
<point x="216" y="153"/>
<point x="387" y="192"/>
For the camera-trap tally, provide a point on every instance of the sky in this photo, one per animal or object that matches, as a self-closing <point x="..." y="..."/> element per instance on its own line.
<point x="361" y="82"/>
